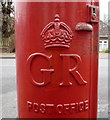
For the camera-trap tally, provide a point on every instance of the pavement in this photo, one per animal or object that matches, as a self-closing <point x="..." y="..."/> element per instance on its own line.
<point x="103" y="88"/>
<point x="12" y="55"/>
<point x="8" y="95"/>
<point x="7" y="55"/>
<point x="103" y="55"/>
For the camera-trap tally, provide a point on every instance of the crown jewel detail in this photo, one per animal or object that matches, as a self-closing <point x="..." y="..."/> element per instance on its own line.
<point x="57" y="34"/>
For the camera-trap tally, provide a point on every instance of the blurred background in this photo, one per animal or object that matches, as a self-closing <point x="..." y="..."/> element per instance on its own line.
<point x="7" y="39"/>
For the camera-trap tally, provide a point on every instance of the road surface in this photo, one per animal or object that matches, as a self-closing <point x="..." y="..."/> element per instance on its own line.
<point x="9" y="104"/>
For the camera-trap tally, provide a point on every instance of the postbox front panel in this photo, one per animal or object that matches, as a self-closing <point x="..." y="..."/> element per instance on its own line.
<point x="54" y="47"/>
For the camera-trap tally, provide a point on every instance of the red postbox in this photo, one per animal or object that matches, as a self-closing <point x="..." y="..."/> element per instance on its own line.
<point x="57" y="58"/>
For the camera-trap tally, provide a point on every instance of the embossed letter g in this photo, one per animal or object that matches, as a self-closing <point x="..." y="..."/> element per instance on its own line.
<point x="45" y="72"/>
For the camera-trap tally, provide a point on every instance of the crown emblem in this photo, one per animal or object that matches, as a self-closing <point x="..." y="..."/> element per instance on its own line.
<point x="57" y="34"/>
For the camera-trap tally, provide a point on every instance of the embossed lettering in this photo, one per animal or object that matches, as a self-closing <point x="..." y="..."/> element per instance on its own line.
<point x="43" y="108"/>
<point x="36" y="108"/>
<point x="72" y="107"/>
<point x="86" y="103"/>
<point x="66" y="108"/>
<point x="46" y="73"/>
<point x="74" y="72"/>
<point x="29" y="105"/>
<point x="59" y="108"/>
<point x="81" y="106"/>
<point x="66" y="70"/>
<point x="50" y="108"/>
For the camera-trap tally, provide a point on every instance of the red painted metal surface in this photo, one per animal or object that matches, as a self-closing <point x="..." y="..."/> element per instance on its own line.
<point x="57" y="59"/>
